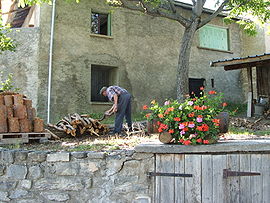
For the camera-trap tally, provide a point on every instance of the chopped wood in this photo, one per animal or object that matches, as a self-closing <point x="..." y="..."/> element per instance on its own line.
<point x="2" y="102"/>
<point x="8" y="100"/>
<point x="18" y="99"/>
<point x="75" y="124"/>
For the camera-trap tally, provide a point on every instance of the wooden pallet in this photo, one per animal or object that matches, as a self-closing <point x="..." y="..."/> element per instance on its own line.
<point x="20" y="138"/>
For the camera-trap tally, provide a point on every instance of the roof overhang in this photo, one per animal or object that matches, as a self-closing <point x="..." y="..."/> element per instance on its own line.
<point x="244" y="62"/>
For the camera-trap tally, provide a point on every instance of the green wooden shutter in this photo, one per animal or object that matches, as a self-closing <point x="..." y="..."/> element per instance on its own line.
<point x="109" y="25"/>
<point x="214" y="37"/>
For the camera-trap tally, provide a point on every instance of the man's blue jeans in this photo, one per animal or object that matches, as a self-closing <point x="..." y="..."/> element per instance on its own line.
<point x="123" y="110"/>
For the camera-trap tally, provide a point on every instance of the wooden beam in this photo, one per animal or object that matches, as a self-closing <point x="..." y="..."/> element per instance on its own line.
<point x="239" y="61"/>
<point x="250" y="93"/>
<point x="246" y="65"/>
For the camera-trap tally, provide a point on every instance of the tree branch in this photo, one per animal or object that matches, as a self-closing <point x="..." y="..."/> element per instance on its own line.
<point x="141" y="5"/>
<point x="215" y="14"/>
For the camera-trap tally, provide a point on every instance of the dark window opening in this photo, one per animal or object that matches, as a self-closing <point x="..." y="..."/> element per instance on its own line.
<point x="212" y="83"/>
<point x="194" y="86"/>
<point x="100" y="24"/>
<point x="101" y="76"/>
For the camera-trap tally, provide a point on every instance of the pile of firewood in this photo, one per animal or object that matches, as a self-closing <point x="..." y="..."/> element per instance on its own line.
<point x="259" y="124"/>
<point x="17" y="114"/>
<point x="75" y="124"/>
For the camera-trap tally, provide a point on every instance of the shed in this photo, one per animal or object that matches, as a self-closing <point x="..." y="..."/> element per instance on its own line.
<point x="262" y="64"/>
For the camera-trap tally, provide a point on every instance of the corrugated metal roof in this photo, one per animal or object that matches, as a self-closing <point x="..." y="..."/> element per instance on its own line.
<point x="239" y="58"/>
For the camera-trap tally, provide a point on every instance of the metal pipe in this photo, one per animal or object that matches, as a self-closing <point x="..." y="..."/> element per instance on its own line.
<point x="50" y="61"/>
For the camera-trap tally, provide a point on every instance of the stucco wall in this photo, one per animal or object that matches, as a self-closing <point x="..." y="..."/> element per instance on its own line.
<point x="24" y="62"/>
<point x="85" y="177"/>
<point x="143" y="48"/>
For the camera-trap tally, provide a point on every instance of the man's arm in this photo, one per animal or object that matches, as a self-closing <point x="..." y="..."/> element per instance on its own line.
<point x="114" y="107"/>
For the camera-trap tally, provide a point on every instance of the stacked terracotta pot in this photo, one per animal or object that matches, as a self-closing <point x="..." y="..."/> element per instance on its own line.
<point x="17" y="115"/>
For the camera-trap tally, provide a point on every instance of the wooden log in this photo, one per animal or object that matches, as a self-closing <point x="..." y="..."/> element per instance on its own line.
<point x="3" y="125"/>
<point x="25" y="126"/>
<point x="165" y="137"/>
<point x="3" y="111"/>
<point x="18" y="99"/>
<point x="13" y="125"/>
<point x="38" y="125"/>
<point x="10" y="113"/>
<point x="2" y="101"/>
<point x="27" y="103"/>
<point x="20" y="111"/>
<point x="31" y="113"/>
<point x="8" y="100"/>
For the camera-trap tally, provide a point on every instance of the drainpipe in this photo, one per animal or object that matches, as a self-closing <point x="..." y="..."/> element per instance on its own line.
<point x="50" y="61"/>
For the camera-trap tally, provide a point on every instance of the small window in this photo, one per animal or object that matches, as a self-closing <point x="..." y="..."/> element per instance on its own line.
<point x="101" y="76"/>
<point x="214" y="38"/>
<point x="101" y="23"/>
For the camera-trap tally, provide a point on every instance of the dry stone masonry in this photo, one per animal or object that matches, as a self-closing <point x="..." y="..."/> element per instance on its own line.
<point x="75" y="177"/>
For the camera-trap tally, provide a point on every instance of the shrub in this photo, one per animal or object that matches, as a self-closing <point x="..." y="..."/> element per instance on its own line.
<point x="191" y="122"/>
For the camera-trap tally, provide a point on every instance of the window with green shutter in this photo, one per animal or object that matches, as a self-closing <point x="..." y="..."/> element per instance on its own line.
<point x="214" y="37"/>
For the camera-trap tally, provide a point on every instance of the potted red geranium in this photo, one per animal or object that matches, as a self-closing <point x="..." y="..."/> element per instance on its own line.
<point x="191" y="122"/>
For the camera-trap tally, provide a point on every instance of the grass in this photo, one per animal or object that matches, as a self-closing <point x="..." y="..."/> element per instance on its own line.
<point x="238" y="131"/>
<point x="236" y="109"/>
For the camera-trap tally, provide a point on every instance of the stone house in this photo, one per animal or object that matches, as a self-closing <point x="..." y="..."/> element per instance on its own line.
<point x="94" y="45"/>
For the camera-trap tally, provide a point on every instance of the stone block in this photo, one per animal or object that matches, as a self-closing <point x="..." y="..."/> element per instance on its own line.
<point x="78" y="155"/>
<point x="57" y="157"/>
<point x="4" y="196"/>
<point x="88" y="168"/>
<point x="25" y="184"/>
<point x="17" y="172"/>
<point x="18" y="194"/>
<point x="29" y="201"/>
<point x="56" y="196"/>
<point x="7" y="157"/>
<point x="7" y="185"/>
<point x="60" y="183"/>
<point x="37" y="156"/>
<point x="20" y="156"/>
<point x="96" y="155"/>
<point x="35" y="172"/>
<point x="65" y="168"/>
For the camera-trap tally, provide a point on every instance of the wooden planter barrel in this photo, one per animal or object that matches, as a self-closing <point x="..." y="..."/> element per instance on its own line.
<point x="224" y="121"/>
<point x="152" y="126"/>
<point x="25" y="125"/>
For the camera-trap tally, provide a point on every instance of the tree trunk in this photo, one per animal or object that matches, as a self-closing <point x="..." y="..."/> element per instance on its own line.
<point x="183" y="62"/>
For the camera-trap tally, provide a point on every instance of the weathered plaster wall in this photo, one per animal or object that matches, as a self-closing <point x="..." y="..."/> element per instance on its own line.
<point x="24" y="62"/>
<point x="85" y="177"/>
<point x="143" y="48"/>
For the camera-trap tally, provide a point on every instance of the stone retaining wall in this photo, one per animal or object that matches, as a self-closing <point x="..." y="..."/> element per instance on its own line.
<point x="27" y="176"/>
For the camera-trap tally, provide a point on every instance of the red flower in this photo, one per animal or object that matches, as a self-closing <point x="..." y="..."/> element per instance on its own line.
<point x="203" y="127"/>
<point x="145" y="107"/>
<point x="205" y="142"/>
<point x="215" y="120"/>
<point x="148" y="115"/>
<point x="200" y="116"/>
<point x="187" y="142"/>
<point x="185" y="123"/>
<point x="201" y="88"/>
<point x="204" y="107"/>
<point x="160" y="130"/>
<point x="185" y="129"/>
<point x="199" y="140"/>
<point x="158" y="122"/>
<point x="160" y="115"/>
<point x="170" y="109"/>
<point x="177" y="119"/>
<point x="212" y="92"/>
<point x="181" y="140"/>
<point x="224" y="104"/>
<point x="171" y="131"/>
<point x="191" y="114"/>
